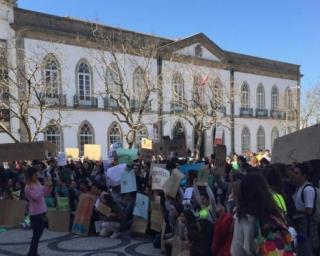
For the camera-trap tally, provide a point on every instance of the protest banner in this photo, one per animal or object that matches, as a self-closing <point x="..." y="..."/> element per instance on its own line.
<point x="27" y="151"/>
<point x="141" y="206"/>
<point x="58" y="220"/>
<point x="202" y="177"/>
<point x="299" y="146"/>
<point x="114" y="174"/>
<point x="12" y="212"/>
<point x="92" y="152"/>
<point x="62" y="203"/>
<point x="61" y="159"/>
<point x="127" y="156"/>
<point x="220" y="160"/>
<point x="171" y="186"/>
<point x="139" y="225"/>
<point x="128" y="182"/>
<point x="156" y="218"/>
<point x="72" y="153"/>
<point x="146" y="143"/>
<point x="159" y="177"/>
<point x="83" y="215"/>
<point x="177" y="145"/>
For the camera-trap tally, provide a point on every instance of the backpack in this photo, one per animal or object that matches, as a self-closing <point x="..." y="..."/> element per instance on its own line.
<point x="273" y="238"/>
<point x="316" y="204"/>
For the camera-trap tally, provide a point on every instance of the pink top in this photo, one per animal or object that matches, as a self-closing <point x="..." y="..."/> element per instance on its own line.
<point x="36" y="194"/>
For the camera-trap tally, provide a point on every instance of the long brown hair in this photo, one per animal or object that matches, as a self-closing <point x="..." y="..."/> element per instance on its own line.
<point x="29" y="174"/>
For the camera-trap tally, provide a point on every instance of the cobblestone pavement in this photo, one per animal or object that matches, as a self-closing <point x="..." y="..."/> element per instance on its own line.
<point x="15" y="242"/>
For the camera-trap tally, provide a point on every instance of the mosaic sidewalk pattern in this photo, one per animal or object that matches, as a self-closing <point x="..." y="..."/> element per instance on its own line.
<point x="15" y="242"/>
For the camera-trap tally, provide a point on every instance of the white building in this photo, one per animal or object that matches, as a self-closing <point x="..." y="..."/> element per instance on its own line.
<point x="251" y="121"/>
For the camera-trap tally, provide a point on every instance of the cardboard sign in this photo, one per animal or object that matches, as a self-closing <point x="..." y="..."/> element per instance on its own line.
<point x="58" y="220"/>
<point x="72" y="153"/>
<point x="171" y="186"/>
<point x="92" y="152"/>
<point x="61" y="159"/>
<point x="156" y="218"/>
<point x="142" y="206"/>
<point x="188" y="194"/>
<point x="113" y="149"/>
<point x="26" y="151"/>
<point x="146" y="143"/>
<point x="114" y="174"/>
<point x="83" y="215"/>
<point x="159" y="177"/>
<point x="127" y="156"/>
<point x="220" y="161"/>
<point x="12" y="212"/>
<point x="128" y="182"/>
<point x="177" y="145"/>
<point x="104" y="209"/>
<point x="202" y="177"/>
<point x="63" y="203"/>
<point x="299" y="146"/>
<point x="139" y="225"/>
<point x="149" y="154"/>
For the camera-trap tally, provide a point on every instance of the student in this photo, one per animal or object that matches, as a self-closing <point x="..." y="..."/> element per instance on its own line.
<point x="35" y="193"/>
<point x="304" y="199"/>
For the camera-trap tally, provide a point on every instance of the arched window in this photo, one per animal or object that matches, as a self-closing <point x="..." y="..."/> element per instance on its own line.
<point x="261" y="139"/>
<point x="178" y="130"/>
<point x="288" y="99"/>
<point x="138" y="83"/>
<point x="178" y="89"/>
<point x="274" y="135"/>
<point x="260" y="97"/>
<point x="54" y="135"/>
<point x="198" y="51"/>
<point x="86" y="136"/>
<point x="199" y="90"/>
<point x="245" y="140"/>
<point x="114" y="134"/>
<point x="274" y="98"/>
<point x="217" y="93"/>
<point x="51" y="76"/>
<point x="245" y="96"/>
<point x="113" y="81"/>
<point x="142" y="133"/>
<point x="84" y="82"/>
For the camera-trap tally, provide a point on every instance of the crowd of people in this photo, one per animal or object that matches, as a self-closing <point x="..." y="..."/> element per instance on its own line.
<point x="253" y="208"/>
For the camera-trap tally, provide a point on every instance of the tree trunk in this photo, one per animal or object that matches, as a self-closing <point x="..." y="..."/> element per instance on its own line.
<point x="131" y="137"/>
<point x="198" y="144"/>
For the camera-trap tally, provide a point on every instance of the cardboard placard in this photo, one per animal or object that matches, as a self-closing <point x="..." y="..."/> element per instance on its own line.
<point x="12" y="212"/>
<point x="202" y="177"/>
<point x="146" y="143"/>
<point x="139" y="225"/>
<point x="156" y="218"/>
<point x="188" y="194"/>
<point x="61" y="159"/>
<point x="299" y="146"/>
<point x="159" y="177"/>
<point x="128" y="182"/>
<point x="58" y="220"/>
<point x="83" y="215"/>
<point x="104" y="209"/>
<point x="141" y="206"/>
<point x="72" y="153"/>
<point x="26" y="151"/>
<point x="220" y="161"/>
<point x="171" y="186"/>
<point x="114" y="174"/>
<point x="126" y="156"/>
<point x="92" y="152"/>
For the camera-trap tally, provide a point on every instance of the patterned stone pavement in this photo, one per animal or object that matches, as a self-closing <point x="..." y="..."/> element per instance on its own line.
<point x="15" y="242"/>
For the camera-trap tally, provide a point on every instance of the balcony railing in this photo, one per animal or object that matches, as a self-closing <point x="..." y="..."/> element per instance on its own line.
<point x="261" y="113"/>
<point x="54" y="100"/>
<point x="85" y="101"/>
<point x="276" y="114"/>
<point x="246" y="112"/>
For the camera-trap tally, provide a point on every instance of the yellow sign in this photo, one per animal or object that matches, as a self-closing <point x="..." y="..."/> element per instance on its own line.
<point x="146" y="143"/>
<point x="72" y="153"/>
<point x="92" y="152"/>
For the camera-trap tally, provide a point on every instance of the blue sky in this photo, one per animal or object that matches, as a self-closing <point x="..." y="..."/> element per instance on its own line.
<point x="286" y="30"/>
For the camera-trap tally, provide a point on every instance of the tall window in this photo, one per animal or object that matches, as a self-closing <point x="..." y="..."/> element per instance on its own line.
<point x="245" y="96"/>
<point x="274" y="98"/>
<point x="53" y="134"/>
<point x="288" y="100"/>
<point x="245" y="140"/>
<point x="260" y="97"/>
<point x="178" y="89"/>
<point x="274" y="135"/>
<point x="198" y="51"/>
<point x="261" y="139"/>
<point x="217" y="93"/>
<point x="51" y="76"/>
<point x="138" y="83"/>
<point x="84" y="81"/>
<point x="86" y="136"/>
<point x="142" y="133"/>
<point x="113" y="80"/>
<point x="114" y="134"/>
<point x="178" y="130"/>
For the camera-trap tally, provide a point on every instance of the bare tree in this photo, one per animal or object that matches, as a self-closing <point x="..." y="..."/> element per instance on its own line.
<point x="125" y="64"/>
<point x="310" y="107"/>
<point x="27" y="95"/>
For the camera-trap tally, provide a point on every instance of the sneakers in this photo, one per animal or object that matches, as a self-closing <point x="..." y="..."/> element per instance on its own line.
<point x="115" y="235"/>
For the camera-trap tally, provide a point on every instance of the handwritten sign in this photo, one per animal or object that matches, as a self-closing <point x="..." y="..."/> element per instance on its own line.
<point x="159" y="177"/>
<point x="128" y="182"/>
<point x="92" y="152"/>
<point x="72" y="153"/>
<point x="146" y="143"/>
<point x="142" y="206"/>
<point x="171" y="186"/>
<point x="220" y="161"/>
<point x="202" y="177"/>
<point x="114" y="174"/>
<point x="61" y="159"/>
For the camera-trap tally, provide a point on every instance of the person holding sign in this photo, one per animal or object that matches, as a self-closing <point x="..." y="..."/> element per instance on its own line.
<point x="35" y="193"/>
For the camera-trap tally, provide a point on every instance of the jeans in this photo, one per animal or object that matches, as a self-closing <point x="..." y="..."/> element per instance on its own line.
<point x="37" y="224"/>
